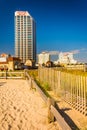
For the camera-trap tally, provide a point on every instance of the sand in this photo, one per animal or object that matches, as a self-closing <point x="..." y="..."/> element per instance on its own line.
<point x="22" y="108"/>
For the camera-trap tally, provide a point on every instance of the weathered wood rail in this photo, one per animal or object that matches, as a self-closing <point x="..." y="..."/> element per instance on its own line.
<point x="52" y="111"/>
<point x="11" y="75"/>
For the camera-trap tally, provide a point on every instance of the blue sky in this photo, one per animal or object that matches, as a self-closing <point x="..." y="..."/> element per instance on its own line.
<point x="61" y="25"/>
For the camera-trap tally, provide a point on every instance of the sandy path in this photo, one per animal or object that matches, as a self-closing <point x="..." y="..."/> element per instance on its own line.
<point x="21" y="108"/>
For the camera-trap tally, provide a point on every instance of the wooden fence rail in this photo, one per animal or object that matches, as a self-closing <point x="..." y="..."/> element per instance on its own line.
<point x="72" y="88"/>
<point x="11" y="75"/>
<point x="52" y="111"/>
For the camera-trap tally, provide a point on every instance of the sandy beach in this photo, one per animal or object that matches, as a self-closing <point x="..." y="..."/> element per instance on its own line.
<point x="22" y="108"/>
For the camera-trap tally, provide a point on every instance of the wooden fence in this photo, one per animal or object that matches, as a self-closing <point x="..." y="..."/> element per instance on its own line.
<point x="52" y="111"/>
<point x="72" y="88"/>
<point x="11" y="75"/>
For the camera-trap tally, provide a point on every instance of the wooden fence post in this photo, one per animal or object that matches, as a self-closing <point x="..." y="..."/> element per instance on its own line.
<point x="25" y="73"/>
<point x="30" y="83"/>
<point x="6" y="74"/>
<point x="50" y="115"/>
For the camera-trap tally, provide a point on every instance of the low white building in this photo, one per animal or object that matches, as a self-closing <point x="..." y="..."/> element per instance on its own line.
<point x="3" y="59"/>
<point x="66" y="58"/>
<point x="43" y="58"/>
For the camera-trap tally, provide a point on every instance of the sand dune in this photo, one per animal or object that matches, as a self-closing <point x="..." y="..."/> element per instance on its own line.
<point x="22" y="108"/>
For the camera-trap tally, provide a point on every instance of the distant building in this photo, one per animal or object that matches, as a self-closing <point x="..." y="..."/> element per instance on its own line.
<point x="9" y="62"/>
<point x="43" y="58"/>
<point x="25" y="36"/>
<point x="4" y="55"/>
<point x="66" y="58"/>
<point x="30" y="63"/>
<point x="3" y="59"/>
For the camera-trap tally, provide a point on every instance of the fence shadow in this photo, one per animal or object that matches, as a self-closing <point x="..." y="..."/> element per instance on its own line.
<point x="2" y="83"/>
<point x="69" y="121"/>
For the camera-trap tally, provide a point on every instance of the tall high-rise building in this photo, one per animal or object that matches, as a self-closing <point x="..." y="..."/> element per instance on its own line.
<point x="25" y="36"/>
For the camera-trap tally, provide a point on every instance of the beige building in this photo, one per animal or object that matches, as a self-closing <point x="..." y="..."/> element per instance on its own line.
<point x="30" y="63"/>
<point x="9" y="63"/>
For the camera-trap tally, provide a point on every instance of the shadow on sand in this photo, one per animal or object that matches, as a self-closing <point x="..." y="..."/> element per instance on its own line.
<point x="68" y="120"/>
<point x="2" y="83"/>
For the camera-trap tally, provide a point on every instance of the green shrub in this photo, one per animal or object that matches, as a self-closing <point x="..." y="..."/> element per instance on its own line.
<point x="46" y="86"/>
